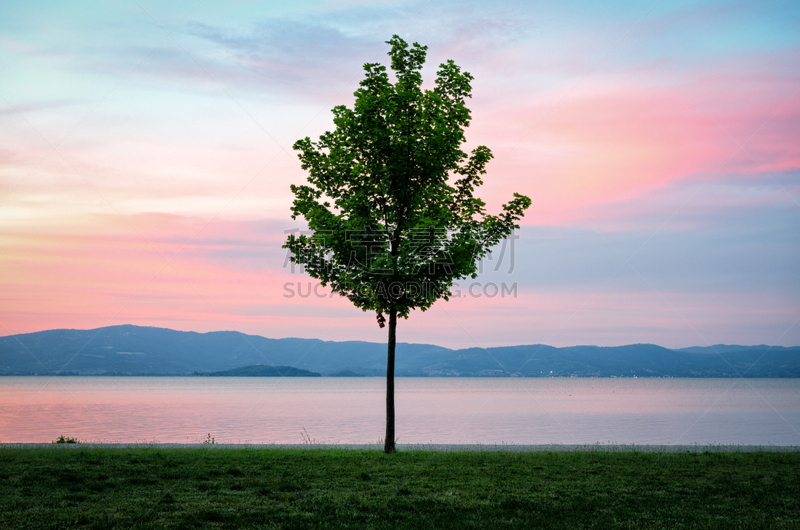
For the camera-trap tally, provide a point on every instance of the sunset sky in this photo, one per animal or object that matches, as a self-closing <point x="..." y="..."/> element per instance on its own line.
<point x="146" y="159"/>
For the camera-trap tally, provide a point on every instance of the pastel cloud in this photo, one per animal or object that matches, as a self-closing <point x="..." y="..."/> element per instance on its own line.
<point x="677" y="286"/>
<point x="609" y="138"/>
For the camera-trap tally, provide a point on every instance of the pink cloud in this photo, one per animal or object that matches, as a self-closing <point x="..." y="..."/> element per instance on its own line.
<point x="611" y="140"/>
<point x="91" y="272"/>
<point x="100" y="273"/>
<point x="604" y="317"/>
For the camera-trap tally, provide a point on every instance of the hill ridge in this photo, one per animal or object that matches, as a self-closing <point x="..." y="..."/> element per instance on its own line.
<point x="127" y="349"/>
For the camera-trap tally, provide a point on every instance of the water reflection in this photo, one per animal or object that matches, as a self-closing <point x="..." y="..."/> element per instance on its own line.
<point x="429" y="410"/>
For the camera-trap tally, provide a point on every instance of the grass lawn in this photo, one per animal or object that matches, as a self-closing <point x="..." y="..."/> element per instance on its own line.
<point x="64" y="487"/>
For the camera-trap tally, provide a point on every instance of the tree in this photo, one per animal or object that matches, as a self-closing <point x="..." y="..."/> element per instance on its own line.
<point x="389" y="202"/>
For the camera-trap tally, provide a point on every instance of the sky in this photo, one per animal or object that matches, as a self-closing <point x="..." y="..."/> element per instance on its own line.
<point x="146" y="160"/>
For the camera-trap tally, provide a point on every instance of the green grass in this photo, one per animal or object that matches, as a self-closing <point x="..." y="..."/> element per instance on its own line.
<point x="63" y="487"/>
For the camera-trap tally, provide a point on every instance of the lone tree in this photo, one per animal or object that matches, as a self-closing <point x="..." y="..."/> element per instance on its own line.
<point x="389" y="201"/>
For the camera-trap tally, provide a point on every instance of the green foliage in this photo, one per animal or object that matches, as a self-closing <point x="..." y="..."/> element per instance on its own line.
<point x="62" y="440"/>
<point x="389" y="200"/>
<point x="209" y="440"/>
<point x="329" y="488"/>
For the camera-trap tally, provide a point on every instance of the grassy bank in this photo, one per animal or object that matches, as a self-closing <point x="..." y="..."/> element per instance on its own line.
<point x="304" y="488"/>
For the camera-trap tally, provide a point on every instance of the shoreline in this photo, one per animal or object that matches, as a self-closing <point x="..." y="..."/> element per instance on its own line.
<point x="604" y="448"/>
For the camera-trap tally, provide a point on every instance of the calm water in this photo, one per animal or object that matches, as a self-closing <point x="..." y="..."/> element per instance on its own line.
<point x="429" y="410"/>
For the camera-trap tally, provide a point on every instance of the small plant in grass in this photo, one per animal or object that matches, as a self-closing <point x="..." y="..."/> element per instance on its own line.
<point x="209" y="440"/>
<point x="308" y="440"/>
<point x="64" y="440"/>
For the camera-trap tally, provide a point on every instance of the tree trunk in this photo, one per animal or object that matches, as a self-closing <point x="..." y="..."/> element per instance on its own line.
<point x="388" y="443"/>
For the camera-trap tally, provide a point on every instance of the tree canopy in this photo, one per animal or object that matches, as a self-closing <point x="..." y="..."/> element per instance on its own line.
<point x="389" y="200"/>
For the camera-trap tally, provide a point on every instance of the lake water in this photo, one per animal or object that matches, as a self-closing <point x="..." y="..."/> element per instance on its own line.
<point x="429" y="410"/>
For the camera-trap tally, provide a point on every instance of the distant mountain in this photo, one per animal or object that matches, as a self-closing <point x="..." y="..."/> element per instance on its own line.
<point x="135" y="350"/>
<point x="260" y="370"/>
